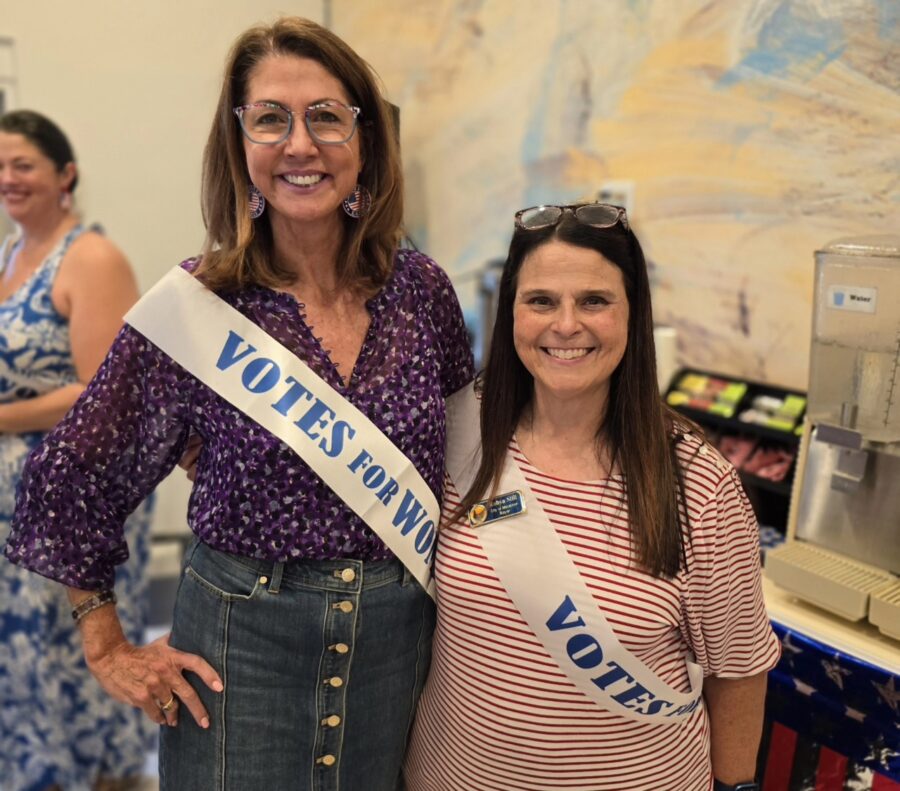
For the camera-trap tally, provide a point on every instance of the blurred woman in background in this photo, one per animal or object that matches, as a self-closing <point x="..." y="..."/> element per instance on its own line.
<point x="63" y="291"/>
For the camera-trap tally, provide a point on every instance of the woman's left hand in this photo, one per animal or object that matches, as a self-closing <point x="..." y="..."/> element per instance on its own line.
<point x="151" y="677"/>
<point x="188" y="460"/>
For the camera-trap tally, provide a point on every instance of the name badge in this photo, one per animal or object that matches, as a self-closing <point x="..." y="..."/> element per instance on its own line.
<point x="501" y="507"/>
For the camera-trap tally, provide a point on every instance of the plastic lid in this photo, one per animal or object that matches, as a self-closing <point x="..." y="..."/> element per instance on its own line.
<point x="881" y="246"/>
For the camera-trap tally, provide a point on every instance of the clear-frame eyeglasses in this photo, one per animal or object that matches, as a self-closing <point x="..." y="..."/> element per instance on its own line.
<point x="597" y="215"/>
<point x="329" y="123"/>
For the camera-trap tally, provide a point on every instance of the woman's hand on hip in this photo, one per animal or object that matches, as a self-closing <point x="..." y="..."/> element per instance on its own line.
<point x="151" y="677"/>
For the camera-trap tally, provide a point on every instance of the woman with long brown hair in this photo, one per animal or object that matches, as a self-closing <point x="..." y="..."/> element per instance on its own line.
<point x="311" y="356"/>
<point x="600" y="618"/>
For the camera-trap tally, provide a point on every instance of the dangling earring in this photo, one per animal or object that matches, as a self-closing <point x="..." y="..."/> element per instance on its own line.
<point x="358" y="202"/>
<point x="65" y="200"/>
<point x="257" y="202"/>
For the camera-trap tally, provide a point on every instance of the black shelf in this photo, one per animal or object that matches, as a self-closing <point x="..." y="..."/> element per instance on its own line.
<point x="736" y="425"/>
<point x="777" y="487"/>
<point x="770" y="499"/>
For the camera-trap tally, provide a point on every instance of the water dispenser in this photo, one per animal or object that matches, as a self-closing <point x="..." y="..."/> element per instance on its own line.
<point x="843" y="548"/>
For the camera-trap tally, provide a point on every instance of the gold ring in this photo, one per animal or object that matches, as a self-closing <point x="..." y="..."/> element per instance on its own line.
<point x="168" y="704"/>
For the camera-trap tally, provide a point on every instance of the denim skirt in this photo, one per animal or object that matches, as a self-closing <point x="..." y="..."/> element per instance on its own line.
<point x="322" y="661"/>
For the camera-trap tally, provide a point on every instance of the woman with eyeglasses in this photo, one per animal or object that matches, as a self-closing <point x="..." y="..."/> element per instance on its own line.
<point x="310" y="357"/>
<point x="600" y="616"/>
<point x="63" y="290"/>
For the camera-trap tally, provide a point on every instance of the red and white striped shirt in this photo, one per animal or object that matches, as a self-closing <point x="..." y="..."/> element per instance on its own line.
<point x="498" y="714"/>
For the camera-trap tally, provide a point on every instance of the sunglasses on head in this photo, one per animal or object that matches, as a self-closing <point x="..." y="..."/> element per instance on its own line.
<point x="597" y="215"/>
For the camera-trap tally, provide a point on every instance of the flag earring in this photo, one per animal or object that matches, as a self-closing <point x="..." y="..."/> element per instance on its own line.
<point x="358" y="202"/>
<point x="257" y="202"/>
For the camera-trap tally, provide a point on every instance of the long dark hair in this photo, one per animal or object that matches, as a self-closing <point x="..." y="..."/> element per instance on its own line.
<point x="638" y="429"/>
<point x="239" y="250"/>
<point x="44" y="135"/>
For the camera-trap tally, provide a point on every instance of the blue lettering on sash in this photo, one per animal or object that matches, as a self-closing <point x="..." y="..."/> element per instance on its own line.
<point x="565" y="610"/>
<point x="425" y="537"/>
<point x="687" y="708"/>
<point x="229" y="355"/>
<point x="410" y="513"/>
<point x="586" y="653"/>
<point x="613" y="676"/>
<point x="315" y="416"/>
<point x="319" y="415"/>
<point x="338" y="432"/>
<point x="655" y="707"/>
<point x="390" y="488"/>
<point x="317" y="422"/>
<point x="295" y="392"/>
<point x="388" y="491"/>
<point x="429" y="557"/>
<point x="635" y="693"/>
<point x="362" y="460"/>
<point x="373" y="477"/>
<point x="261" y="375"/>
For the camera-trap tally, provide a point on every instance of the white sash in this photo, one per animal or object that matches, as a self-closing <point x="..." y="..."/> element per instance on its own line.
<point x="260" y="377"/>
<point x="544" y="583"/>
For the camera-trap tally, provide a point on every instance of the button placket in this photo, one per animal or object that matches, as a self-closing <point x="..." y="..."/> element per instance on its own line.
<point x="340" y="625"/>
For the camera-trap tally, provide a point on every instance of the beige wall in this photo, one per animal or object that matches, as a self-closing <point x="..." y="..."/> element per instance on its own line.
<point x="134" y="85"/>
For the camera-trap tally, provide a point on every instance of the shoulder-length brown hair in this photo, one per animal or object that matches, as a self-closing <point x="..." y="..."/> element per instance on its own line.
<point x="238" y="250"/>
<point x="636" y="426"/>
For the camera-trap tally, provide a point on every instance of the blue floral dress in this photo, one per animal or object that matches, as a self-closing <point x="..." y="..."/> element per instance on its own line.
<point x="57" y="726"/>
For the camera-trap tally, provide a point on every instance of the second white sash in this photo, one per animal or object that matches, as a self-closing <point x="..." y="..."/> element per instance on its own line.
<point x="550" y="593"/>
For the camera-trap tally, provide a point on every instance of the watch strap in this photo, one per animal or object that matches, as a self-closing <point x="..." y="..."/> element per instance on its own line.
<point x="745" y="785"/>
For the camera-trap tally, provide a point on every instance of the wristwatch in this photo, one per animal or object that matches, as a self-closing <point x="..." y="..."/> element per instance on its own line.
<point x="746" y="785"/>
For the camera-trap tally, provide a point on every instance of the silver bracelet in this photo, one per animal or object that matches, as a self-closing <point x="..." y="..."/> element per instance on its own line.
<point x="92" y="603"/>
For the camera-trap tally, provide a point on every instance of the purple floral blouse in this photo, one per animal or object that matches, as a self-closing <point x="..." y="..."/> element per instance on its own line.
<point x="252" y="496"/>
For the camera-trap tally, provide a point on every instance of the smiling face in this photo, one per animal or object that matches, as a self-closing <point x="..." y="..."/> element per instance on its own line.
<point x="303" y="182"/>
<point x="570" y="319"/>
<point x="30" y="184"/>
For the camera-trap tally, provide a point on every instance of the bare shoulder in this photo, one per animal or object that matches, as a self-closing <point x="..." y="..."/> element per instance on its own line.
<point x="93" y="253"/>
<point x="94" y="271"/>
